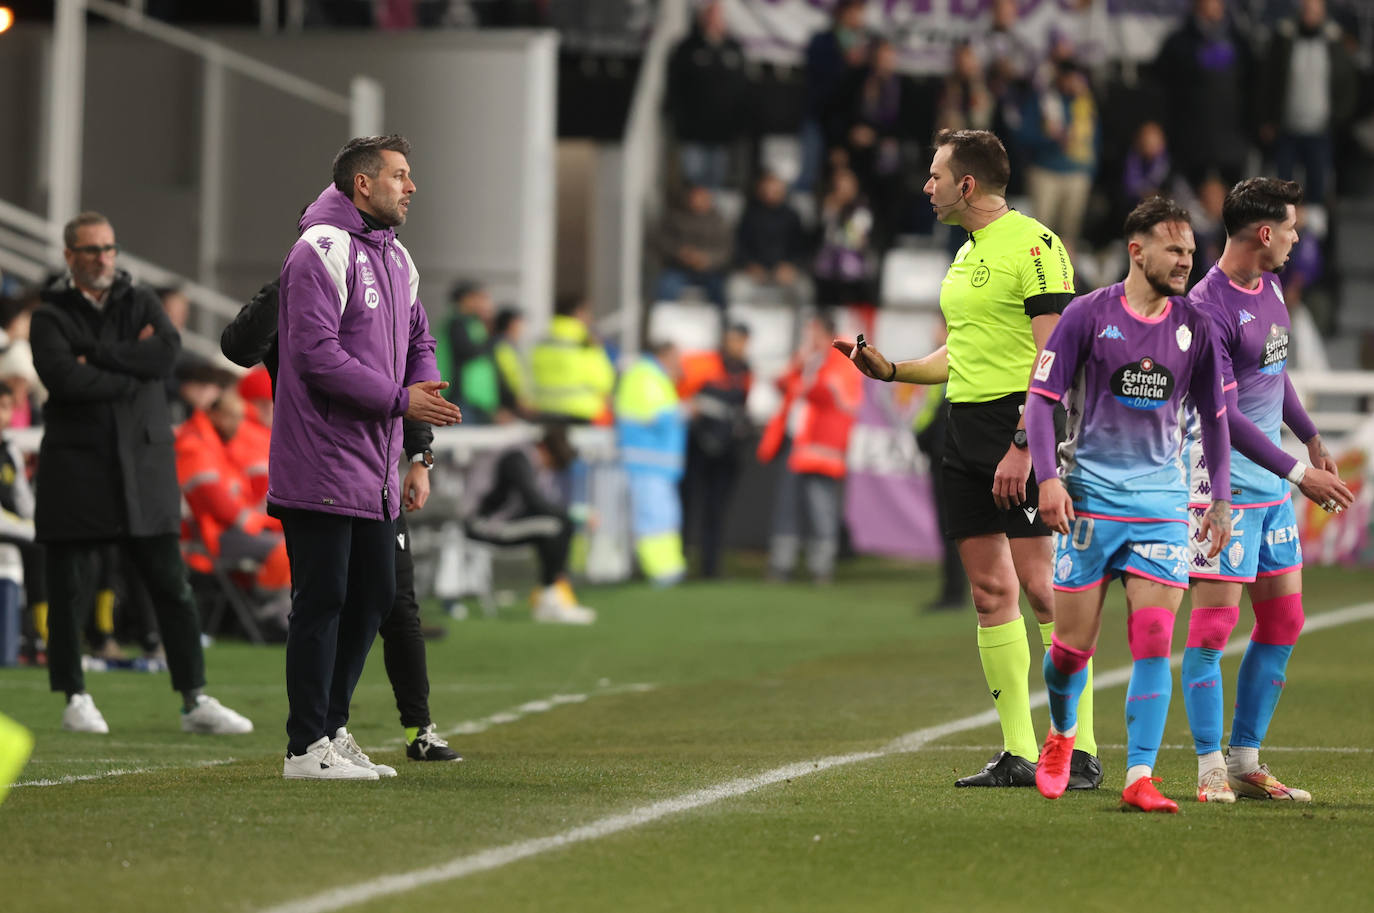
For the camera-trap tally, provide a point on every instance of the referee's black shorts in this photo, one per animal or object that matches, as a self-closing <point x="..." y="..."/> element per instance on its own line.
<point x="978" y="437"/>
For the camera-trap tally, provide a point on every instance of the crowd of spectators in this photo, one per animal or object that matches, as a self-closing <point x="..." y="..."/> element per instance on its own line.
<point x="1089" y="138"/>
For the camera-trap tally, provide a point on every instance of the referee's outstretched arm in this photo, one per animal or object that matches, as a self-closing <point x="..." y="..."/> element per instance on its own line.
<point x="931" y="369"/>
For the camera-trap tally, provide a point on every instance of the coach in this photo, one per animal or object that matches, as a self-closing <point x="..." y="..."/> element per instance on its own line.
<point x="355" y="356"/>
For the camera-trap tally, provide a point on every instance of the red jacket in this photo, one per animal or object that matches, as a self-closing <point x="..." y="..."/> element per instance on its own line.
<point x="830" y="396"/>
<point x="214" y="488"/>
<point x="248" y="449"/>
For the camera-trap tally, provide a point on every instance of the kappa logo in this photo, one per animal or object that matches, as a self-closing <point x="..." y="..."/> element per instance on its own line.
<point x="1245" y="317"/>
<point x="361" y="258"/>
<point x="1111" y="332"/>
<point x="396" y="258"/>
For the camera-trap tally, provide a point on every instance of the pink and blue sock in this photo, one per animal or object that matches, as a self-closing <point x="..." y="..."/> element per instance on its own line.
<point x="1151" y="632"/>
<point x="1209" y="627"/>
<point x="1066" y="674"/>
<point x="1264" y="670"/>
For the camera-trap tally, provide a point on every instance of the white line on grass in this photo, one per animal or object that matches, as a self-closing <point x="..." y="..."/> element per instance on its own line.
<point x="121" y="772"/>
<point x="500" y="856"/>
<point x="471" y="727"/>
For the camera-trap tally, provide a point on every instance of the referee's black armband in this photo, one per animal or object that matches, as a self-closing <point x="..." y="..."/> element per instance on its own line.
<point x="1047" y="304"/>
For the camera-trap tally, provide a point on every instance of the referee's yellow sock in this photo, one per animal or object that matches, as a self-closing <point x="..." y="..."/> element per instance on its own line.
<point x="1005" y="652"/>
<point x="1086" y="739"/>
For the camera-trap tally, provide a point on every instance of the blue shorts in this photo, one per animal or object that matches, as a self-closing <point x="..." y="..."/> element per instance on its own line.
<point x="1100" y="548"/>
<point x="1264" y="543"/>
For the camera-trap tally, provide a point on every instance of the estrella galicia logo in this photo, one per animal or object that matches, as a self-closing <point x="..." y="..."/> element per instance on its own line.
<point x="1144" y="384"/>
<point x="1275" y="350"/>
<point x="1111" y="332"/>
<point x="980" y="276"/>
<point x="1245" y="317"/>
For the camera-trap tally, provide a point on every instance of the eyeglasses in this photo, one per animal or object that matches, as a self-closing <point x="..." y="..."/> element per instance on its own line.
<point x="96" y="250"/>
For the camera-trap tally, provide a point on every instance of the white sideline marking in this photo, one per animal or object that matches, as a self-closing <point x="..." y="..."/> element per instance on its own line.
<point x="552" y="702"/>
<point x="500" y="856"/>
<point x="122" y="772"/>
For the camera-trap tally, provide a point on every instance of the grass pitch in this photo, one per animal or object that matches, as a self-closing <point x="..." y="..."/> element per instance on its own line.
<point x="670" y="693"/>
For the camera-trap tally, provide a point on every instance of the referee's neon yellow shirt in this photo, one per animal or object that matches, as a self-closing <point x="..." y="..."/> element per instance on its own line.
<point x="983" y="298"/>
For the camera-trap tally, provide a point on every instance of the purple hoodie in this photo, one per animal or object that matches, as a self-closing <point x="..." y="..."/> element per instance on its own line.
<point x="353" y="336"/>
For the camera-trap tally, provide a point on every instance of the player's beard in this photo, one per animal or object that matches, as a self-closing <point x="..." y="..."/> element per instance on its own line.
<point x="1160" y="283"/>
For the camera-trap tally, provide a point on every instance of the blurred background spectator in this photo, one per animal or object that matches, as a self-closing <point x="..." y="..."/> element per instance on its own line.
<point x="475" y="383"/>
<point x="844" y="264"/>
<point x="706" y="95"/>
<point x="770" y="243"/>
<point x="821" y="392"/>
<point x="1061" y="144"/>
<point x="573" y="377"/>
<point x="715" y="390"/>
<point x="508" y="330"/>
<point x="652" y="433"/>
<point x="694" y="242"/>
<point x="1311" y="90"/>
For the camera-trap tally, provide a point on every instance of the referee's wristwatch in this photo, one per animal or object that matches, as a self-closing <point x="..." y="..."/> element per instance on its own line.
<point x="424" y="458"/>
<point x="1019" y="439"/>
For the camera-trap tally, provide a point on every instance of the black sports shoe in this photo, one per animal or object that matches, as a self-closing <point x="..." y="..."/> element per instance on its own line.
<point x="428" y="746"/>
<point x="1085" y="771"/>
<point x="1005" y="769"/>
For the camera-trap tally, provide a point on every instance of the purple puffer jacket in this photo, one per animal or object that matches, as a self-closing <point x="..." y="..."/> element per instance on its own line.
<point x="353" y="336"/>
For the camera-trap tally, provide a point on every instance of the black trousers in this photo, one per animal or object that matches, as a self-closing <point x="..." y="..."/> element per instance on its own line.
<point x="551" y="536"/>
<point x="707" y="484"/>
<point x="403" y="646"/>
<point x="73" y="571"/>
<point x="343" y="578"/>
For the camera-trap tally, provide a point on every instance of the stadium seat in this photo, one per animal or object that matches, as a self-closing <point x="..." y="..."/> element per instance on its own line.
<point x="781" y="154"/>
<point x="689" y="324"/>
<point x="911" y="277"/>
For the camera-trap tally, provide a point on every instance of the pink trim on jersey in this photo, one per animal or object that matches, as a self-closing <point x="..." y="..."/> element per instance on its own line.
<point x="1088" y="586"/>
<point x="1249" y="291"/>
<point x="1045" y="393"/>
<point x="1221" y="412"/>
<point x="1084" y="513"/>
<point x="1280" y="573"/>
<point x="1242" y="506"/>
<point x="1231" y="386"/>
<point x="1140" y="573"/>
<point x="1168" y="306"/>
<point x="1224" y="578"/>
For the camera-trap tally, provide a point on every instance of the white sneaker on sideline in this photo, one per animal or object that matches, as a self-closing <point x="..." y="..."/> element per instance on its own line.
<point x="347" y="747"/>
<point x="553" y="607"/>
<point x="322" y="762"/>
<point x="212" y="717"/>
<point x="82" y="715"/>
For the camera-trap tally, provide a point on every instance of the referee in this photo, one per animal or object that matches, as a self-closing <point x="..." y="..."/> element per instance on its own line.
<point x="1001" y="298"/>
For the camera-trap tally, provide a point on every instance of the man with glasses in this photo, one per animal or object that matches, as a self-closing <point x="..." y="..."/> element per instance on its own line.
<point x="107" y="470"/>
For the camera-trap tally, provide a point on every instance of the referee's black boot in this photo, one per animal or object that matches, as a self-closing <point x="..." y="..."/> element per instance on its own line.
<point x="1005" y="769"/>
<point x="1085" y="771"/>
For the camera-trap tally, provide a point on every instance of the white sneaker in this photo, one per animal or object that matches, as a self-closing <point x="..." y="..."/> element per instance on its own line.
<point x="1214" y="787"/>
<point x="82" y="715"/>
<point x="322" y="762"/>
<point x="210" y="716"/>
<point x="347" y="747"/>
<point x="552" y="610"/>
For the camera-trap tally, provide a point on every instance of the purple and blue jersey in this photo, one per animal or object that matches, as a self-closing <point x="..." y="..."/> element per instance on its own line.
<point x="1123" y="379"/>
<point x="1251" y="330"/>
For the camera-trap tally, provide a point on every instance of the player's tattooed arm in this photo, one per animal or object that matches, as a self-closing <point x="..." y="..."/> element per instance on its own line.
<point x="1319" y="456"/>
<point x="1216" y="526"/>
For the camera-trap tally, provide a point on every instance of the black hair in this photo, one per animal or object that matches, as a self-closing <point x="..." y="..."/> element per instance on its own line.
<point x="978" y="153"/>
<point x="1258" y="200"/>
<point x="505" y="317"/>
<point x="1152" y="212"/>
<point x="363" y="155"/>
